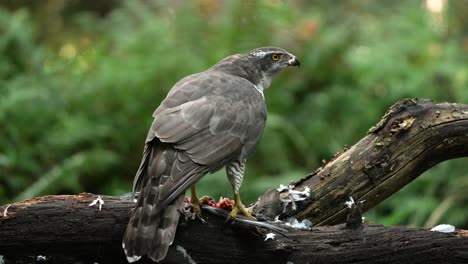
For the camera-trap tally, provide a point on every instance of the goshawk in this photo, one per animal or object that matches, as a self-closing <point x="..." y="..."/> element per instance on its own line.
<point x="209" y="120"/>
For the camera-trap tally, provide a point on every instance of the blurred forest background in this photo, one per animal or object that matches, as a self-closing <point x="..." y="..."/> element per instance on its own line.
<point x="79" y="81"/>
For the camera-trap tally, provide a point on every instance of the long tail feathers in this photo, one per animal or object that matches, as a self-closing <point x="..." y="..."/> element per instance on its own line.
<point x="166" y="232"/>
<point x="163" y="176"/>
<point x="150" y="232"/>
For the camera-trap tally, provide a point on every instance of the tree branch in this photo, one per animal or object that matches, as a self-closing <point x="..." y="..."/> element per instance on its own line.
<point x="413" y="136"/>
<point x="65" y="225"/>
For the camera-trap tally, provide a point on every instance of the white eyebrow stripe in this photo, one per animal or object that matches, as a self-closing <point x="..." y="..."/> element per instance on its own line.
<point x="260" y="53"/>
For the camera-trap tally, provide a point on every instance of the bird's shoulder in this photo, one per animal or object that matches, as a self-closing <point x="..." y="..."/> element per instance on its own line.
<point x="214" y="109"/>
<point x="212" y="84"/>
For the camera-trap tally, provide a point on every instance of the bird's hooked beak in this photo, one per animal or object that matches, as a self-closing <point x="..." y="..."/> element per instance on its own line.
<point x="294" y="61"/>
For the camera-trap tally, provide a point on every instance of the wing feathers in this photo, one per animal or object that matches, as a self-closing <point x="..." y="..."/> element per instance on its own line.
<point x="206" y="121"/>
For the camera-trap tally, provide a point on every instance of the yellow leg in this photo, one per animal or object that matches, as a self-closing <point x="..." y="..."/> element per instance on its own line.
<point x="239" y="208"/>
<point x="195" y="201"/>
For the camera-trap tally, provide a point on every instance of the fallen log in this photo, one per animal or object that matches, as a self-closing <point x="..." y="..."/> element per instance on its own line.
<point x="413" y="136"/>
<point x="64" y="228"/>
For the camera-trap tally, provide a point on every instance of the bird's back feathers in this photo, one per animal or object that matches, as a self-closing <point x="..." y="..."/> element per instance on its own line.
<point x="206" y="121"/>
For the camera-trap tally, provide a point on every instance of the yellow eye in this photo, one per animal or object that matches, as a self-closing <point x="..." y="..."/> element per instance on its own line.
<point x="275" y="57"/>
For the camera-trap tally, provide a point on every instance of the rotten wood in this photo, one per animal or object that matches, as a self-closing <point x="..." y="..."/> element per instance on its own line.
<point x="64" y="229"/>
<point x="413" y="136"/>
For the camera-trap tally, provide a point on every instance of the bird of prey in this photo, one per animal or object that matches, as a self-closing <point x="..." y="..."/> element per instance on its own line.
<point x="209" y="120"/>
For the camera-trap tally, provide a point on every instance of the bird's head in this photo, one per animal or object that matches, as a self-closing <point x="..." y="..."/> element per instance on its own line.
<point x="272" y="59"/>
<point x="259" y="65"/>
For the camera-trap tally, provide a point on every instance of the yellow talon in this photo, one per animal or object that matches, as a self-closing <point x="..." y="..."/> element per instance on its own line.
<point x="239" y="208"/>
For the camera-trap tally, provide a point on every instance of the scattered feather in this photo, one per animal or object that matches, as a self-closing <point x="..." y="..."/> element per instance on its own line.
<point x="41" y="258"/>
<point x="294" y="223"/>
<point x="270" y="236"/>
<point x="284" y="188"/>
<point x="293" y="196"/>
<point x="5" y="212"/>
<point x="286" y="201"/>
<point x="350" y="202"/>
<point x="96" y="201"/>
<point x="300" y="195"/>
<point x="444" y="228"/>
<point x="277" y="219"/>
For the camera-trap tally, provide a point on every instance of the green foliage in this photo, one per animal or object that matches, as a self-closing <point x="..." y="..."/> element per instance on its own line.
<point x="76" y="101"/>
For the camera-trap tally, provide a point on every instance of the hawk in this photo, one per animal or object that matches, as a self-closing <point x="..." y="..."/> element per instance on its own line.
<point x="209" y="120"/>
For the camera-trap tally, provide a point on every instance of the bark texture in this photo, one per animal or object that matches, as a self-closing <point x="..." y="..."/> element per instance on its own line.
<point x="413" y="136"/>
<point x="65" y="229"/>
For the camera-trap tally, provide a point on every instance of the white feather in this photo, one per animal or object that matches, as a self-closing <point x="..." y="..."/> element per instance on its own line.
<point x="444" y="228"/>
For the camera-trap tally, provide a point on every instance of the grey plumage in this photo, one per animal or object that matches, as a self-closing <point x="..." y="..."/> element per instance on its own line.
<point x="207" y="121"/>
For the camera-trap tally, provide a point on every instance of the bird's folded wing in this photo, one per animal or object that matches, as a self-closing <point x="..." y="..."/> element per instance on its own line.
<point x="208" y="124"/>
